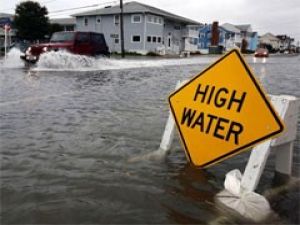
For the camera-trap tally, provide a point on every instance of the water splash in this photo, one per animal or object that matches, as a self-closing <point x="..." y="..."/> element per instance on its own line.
<point x="12" y="60"/>
<point x="64" y="61"/>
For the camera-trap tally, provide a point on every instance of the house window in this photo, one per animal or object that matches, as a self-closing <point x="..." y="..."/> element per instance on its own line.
<point x="85" y="21"/>
<point x="136" y="38"/>
<point x="159" y="39"/>
<point x="117" y="20"/>
<point x="98" y="19"/>
<point x="136" y="19"/>
<point x="149" y="39"/>
<point x="154" y="39"/>
<point x="154" y="19"/>
<point x="193" y="41"/>
<point x="177" y="27"/>
<point x="114" y="35"/>
<point x="116" y="40"/>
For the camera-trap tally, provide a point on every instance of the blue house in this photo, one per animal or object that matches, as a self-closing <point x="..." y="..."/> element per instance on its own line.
<point x="205" y="35"/>
<point x="253" y="41"/>
<point x="230" y="36"/>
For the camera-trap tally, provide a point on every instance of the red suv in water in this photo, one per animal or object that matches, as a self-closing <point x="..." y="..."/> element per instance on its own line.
<point x="83" y="43"/>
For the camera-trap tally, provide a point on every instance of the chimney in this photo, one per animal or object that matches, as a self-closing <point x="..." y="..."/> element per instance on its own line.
<point x="215" y="34"/>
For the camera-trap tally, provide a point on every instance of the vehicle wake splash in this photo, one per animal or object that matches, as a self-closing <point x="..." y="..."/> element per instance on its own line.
<point x="12" y="60"/>
<point x="65" y="61"/>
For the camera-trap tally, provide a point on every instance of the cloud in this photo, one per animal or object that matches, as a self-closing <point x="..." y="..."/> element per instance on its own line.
<point x="275" y="16"/>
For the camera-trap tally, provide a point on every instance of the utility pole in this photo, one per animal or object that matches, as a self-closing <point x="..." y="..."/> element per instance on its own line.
<point x="122" y="29"/>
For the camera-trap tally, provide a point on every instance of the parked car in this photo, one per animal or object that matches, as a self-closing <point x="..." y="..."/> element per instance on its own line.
<point x="82" y="43"/>
<point x="261" y="52"/>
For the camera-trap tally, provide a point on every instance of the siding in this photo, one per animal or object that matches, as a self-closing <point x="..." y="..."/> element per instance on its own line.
<point x="177" y="41"/>
<point x="143" y="29"/>
<point x="108" y="27"/>
<point x="154" y="29"/>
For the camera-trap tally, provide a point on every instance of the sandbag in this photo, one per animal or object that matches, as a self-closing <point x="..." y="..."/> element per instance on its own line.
<point x="249" y="204"/>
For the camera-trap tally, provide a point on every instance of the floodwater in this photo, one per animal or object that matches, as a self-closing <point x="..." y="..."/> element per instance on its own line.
<point x="70" y="125"/>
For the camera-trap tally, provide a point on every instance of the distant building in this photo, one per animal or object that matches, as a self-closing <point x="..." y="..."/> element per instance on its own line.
<point x="68" y="24"/>
<point x="271" y="40"/>
<point x="235" y="40"/>
<point x="285" y="42"/>
<point x="146" y="29"/>
<point x="249" y="36"/>
<point x="243" y="33"/>
<point x="6" y="19"/>
<point x="230" y="36"/>
<point x="253" y="41"/>
<point x="226" y="38"/>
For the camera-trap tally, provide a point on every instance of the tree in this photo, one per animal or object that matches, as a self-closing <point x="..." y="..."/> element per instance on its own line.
<point x="31" y="21"/>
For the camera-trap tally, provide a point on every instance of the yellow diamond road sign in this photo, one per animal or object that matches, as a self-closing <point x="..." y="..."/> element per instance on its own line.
<point x="223" y="111"/>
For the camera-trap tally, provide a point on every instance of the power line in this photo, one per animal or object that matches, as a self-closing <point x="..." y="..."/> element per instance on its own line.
<point x="81" y="7"/>
<point x="68" y="9"/>
<point x="50" y="1"/>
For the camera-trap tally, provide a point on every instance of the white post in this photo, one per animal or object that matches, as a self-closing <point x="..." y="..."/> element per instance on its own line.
<point x="166" y="140"/>
<point x="283" y="145"/>
<point x="255" y="166"/>
<point x="5" y="41"/>
<point x="9" y="39"/>
<point x="287" y="107"/>
<point x="168" y="135"/>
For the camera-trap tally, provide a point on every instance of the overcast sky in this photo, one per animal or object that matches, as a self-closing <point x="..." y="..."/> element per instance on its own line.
<point x="275" y="16"/>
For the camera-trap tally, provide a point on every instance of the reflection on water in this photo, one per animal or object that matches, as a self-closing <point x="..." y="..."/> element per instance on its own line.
<point x="66" y="137"/>
<point x="263" y="73"/>
<point x="259" y="60"/>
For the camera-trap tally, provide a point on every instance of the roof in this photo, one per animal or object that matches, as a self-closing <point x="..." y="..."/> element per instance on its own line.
<point x="136" y="7"/>
<point x="270" y="36"/>
<point x="253" y="34"/>
<point x="2" y="15"/>
<point x="230" y="27"/>
<point x="208" y="27"/>
<point x="244" y="27"/>
<point x="64" y="21"/>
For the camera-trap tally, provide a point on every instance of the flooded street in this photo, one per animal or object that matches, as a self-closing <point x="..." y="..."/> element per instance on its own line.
<point x="69" y="127"/>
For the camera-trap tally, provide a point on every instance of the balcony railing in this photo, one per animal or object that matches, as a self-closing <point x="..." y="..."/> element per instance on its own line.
<point x="190" y="33"/>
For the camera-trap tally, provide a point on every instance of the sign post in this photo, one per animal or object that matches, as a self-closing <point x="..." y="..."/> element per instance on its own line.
<point x="5" y="41"/>
<point x="6" y="32"/>
<point x="223" y="111"/>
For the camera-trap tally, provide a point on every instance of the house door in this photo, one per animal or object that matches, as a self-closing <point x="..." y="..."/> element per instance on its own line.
<point x="169" y="42"/>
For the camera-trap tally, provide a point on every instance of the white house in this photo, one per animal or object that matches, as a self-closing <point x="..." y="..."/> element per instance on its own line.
<point x="146" y="28"/>
<point x="270" y="39"/>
